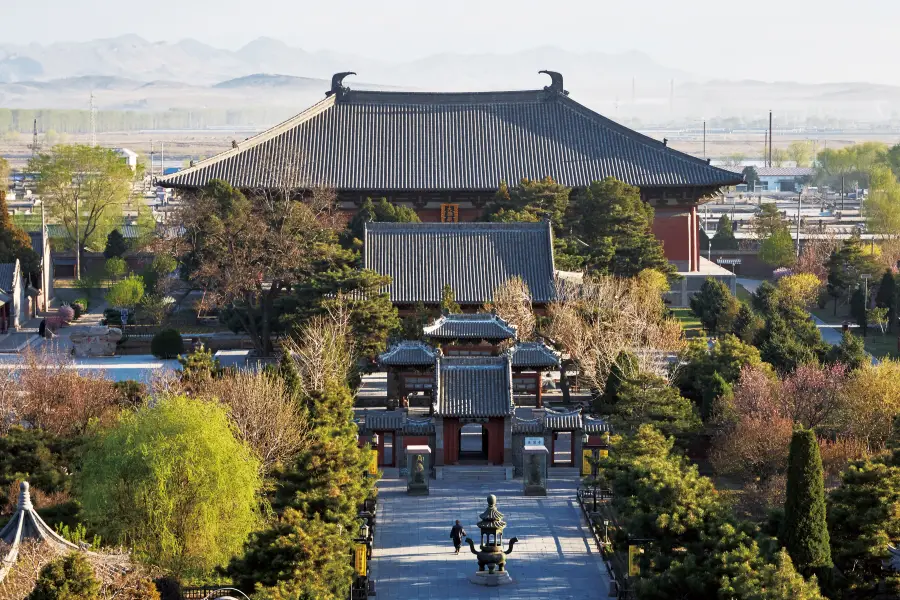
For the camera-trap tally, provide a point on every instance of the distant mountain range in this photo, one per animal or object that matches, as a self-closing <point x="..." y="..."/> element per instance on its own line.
<point x="191" y="61"/>
<point x="129" y="72"/>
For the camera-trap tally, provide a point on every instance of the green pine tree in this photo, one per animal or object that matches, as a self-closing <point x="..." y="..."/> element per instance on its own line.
<point x="804" y="530"/>
<point x="69" y="577"/>
<point x="622" y="370"/>
<point x="328" y="477"/>
<point x="724" y="238"/>
<point x="850" y="352"/>
<point x="297" y="556"/>
<point x="615" y="227"/>
<point x="116" y="246"/>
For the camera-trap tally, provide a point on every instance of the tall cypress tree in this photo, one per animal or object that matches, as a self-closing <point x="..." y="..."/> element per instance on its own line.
<point x="888" y="297"/>
<point x="805" y="530"/>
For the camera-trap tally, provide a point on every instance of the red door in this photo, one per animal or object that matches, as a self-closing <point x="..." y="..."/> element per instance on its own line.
<point x="494" y="429"/>
<point x="451" y="441"/>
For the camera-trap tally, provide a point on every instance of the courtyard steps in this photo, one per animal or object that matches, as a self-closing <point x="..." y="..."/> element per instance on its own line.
<point x="460" y="473"/>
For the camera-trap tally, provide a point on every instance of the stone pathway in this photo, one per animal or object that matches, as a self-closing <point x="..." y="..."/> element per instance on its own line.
<point x="414" y="559"/>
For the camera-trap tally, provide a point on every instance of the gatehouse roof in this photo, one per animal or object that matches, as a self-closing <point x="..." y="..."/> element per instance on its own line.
<point x="409" y="353"/>
<point x="474" y="259"/>
<point x="473" y="387"/>
<point x="533" y="355"/>
<point x="478" y="326"/>
<point x="390" y="141"/>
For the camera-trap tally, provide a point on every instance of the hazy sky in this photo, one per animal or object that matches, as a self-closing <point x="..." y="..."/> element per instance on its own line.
<point x="802" y="40"/>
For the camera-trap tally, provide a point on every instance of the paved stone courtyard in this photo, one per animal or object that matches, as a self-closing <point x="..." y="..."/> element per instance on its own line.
<point x="414" y="558"/>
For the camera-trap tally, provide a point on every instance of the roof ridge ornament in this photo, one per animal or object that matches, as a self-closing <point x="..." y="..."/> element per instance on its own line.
<point x="556" y="82"/>
<point x="337" y="84"/>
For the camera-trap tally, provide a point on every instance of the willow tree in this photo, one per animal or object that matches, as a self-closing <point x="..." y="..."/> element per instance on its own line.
<point x="173" y="482"/>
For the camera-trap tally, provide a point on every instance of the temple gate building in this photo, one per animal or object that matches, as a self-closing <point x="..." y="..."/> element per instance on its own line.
<point x="446" y="154"/>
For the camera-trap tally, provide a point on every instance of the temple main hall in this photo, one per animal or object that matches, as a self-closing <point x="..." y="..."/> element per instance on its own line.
<point x="446" y="154"/>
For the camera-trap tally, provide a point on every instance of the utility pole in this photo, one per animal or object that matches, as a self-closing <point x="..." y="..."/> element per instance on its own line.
<point x="162" y="158"/>
<point x="77" y="238"/>
<point x="799" y="207"/>
<point x="93" y="122"/>
<point x="34" y="140"/>
<point x="842" y="193"/>
<point x="770" y="138"/>
<point x="704" y="138"/>
<point x="766" y="148"/>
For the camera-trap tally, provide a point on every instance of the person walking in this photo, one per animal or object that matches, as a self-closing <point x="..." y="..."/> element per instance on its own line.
<point x="457" y="534"/>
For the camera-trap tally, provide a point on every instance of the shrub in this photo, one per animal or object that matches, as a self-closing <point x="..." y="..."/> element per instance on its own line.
<point x="167" y="344"/>
<point x="80" y="307"/>
<point x="67" y="578"/>
<point x="115" y="267"/>
<point x="66" y="313"/>
<point x="126" y="293"/>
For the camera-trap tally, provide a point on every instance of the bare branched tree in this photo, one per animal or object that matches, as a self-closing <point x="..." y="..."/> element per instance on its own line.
<point x="512" y="303"/>
<point x="57" y="398"/>
<point x="814" y="256"/>
<point x="324" y="351"/>
<point x="265" y="413"/>
<point x="597" y="319"/>
<point x="246" y="251"/>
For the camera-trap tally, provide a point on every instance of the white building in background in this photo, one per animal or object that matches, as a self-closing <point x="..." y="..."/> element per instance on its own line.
<point x="130" y="156"/>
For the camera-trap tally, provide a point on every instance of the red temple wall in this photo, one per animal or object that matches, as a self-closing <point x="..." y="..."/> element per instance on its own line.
<point x="678" y="231"/>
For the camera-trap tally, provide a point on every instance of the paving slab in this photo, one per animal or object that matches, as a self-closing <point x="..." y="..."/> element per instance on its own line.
<point x="414" y="557"/>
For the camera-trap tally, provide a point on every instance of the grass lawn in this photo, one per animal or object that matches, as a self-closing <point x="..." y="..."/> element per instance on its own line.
<point x="689" y="322"/>
<point x="881" y="346"/>
<point x="827" y="313"/>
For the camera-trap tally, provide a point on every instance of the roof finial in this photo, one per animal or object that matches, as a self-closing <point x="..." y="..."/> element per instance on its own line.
<point x="556" y="82"/>
<point x="24" y="497"/>
<point x="337" y="83"/>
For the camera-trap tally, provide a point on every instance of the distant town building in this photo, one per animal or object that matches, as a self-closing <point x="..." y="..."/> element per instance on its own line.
<point x="777" y="179"/>
<point x="446" y="154"/>
<point x="130" y="156"/>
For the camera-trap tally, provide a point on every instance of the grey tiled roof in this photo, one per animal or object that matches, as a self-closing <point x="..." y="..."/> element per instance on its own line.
<point x="777" y="171"/>
<point x="37" y="242"/>
<point x="57" y="231"/>
<point x="562" y="421"/>
<point x="384" y="419"/>
<point x="533" y="354"/>
<point x="480" y="326"/>
<point x="395" y="420"/>
<point x="408" y="353"/>
<point x="418" y="426"/>
<point x="7" y="276"/>
<point x="366" y="140"/>
<point x="473" y="387"/>
<point x="472" y="258"/>
<point x="592" y="425"/>
<point x="527" y="426"/>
